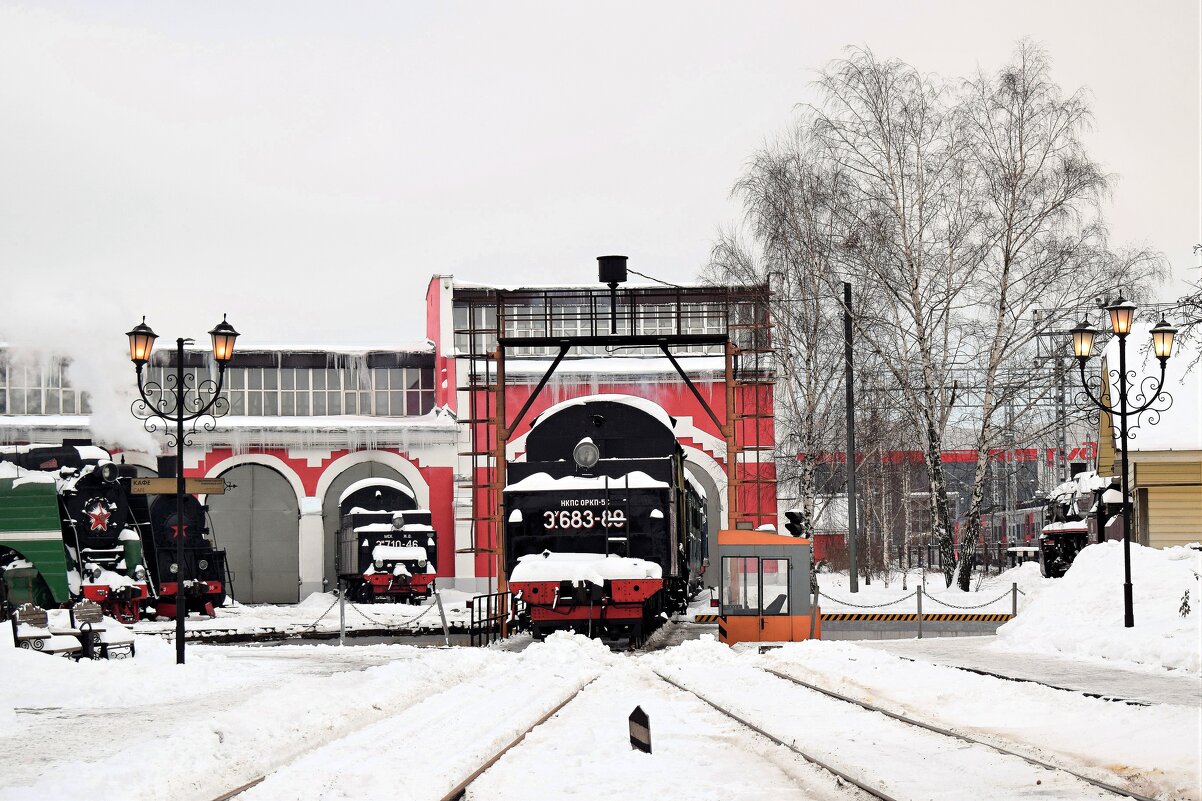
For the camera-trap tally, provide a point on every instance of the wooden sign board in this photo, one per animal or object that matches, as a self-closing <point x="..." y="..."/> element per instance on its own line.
<point x="166" y="486"/>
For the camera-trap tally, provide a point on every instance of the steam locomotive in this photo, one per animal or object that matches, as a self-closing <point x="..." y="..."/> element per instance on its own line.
<point x="70" y="529"/>
<point x="605" y="531"/>
<point x="386" y="545"/>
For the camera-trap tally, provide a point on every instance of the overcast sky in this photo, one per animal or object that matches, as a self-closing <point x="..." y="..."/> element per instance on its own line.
<point x="306" y="167"/>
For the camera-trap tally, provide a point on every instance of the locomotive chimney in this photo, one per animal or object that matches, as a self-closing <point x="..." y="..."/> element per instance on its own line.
<point x="166" y="465"/>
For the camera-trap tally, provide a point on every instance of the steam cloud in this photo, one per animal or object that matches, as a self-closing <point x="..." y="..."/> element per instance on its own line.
<point x="91" y="337"/>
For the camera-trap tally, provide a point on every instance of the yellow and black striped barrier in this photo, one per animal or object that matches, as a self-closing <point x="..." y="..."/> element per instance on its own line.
<point x="838" y="617"/>
<point x="847" y="617"/>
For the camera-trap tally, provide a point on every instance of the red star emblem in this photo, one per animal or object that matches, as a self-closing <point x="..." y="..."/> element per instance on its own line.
<point x="175" y="531"/>
<point x="100" y="517"/>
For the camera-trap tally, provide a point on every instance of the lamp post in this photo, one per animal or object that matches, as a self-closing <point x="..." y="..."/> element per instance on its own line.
<point x="179" y="404"/>
<point x="1122" y="314"/>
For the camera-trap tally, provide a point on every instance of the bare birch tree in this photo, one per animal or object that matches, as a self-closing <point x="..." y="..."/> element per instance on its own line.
<point x="787" y="202"/>
<point x="909" y="219"/>
<point x="1044" y="244"/>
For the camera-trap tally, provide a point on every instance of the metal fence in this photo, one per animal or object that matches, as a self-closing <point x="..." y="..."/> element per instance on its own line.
<point x="490" y="617"/>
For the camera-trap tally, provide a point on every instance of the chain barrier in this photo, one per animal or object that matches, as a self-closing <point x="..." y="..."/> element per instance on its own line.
<point x="911" y="595"/>
<point x="369" y="618"/>
<point x="313" y="625"/>
<point x="868" y="606"/>
<point x="386" y="623"/>
<point x="971" y="606"/>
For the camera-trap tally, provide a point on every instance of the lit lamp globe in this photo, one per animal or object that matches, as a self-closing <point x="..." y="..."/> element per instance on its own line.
<point x="1122" y="315"/>
<point x="1083" y="338"/>
<point x="141" y="342"/>
<point x="1162" y="340"/>
<point x="223" y="335"/>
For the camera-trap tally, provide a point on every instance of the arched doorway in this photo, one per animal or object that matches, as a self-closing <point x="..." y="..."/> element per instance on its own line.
<point x="256" y="522"/>
<point x="329" y="509"/>
<point x="714" y="512"/>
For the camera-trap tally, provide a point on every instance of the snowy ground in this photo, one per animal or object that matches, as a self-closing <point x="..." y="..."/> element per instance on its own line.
<point x="324" y="722"/>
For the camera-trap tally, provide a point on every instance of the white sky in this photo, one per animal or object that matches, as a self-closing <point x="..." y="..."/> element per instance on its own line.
<point x="306" y="168"/>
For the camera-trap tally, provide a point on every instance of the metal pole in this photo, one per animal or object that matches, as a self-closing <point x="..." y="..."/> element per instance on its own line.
<point x="1014" y="599"/>
<point x="180" y="602"/>
<point x="1128" y="608"/>
<point x="851" y="438"/>
<point x="341" y="612"/>
<point x="919" y="596"/>
<point x="446" y="633"/>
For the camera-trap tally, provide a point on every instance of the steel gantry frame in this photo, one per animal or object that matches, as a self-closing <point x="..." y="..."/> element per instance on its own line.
<point x="496" y="325"/>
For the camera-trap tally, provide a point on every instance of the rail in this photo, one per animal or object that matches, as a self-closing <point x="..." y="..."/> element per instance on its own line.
<point x="956" y="735"/>
<point x="877" y="792"/>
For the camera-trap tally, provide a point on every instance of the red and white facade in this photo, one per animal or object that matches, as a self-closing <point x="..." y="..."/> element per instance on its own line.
<point x="308" y="421"/>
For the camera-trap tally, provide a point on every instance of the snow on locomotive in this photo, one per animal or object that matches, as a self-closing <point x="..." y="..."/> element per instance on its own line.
<point x="386" y="545"/>
<point x="605" y="530"/>
<point x="67" y="532"/>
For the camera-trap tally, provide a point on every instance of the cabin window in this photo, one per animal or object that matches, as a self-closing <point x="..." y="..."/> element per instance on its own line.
<point x="740" y="585"/>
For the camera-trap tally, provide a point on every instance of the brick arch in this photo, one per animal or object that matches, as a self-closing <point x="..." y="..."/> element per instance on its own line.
<point x="408" y="470"/>
<point x="264" y="460"/>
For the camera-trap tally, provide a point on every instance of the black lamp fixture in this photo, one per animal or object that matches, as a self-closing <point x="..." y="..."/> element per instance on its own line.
<point x="179" y="404"/>
<point x="1122" y="318"/>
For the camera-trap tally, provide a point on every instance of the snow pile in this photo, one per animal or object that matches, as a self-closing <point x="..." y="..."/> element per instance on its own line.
<point x="596" y="568"/>
<point x="1082" y="613"/>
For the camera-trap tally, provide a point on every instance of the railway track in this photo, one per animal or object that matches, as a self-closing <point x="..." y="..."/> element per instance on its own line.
<point x="877" y="787"/>
<point x="460" y="790"/>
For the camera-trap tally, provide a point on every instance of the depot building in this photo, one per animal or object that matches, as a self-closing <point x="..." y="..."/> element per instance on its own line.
<point x="305" y="422"/>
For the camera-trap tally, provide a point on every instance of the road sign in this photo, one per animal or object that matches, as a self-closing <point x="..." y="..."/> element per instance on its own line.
<point x="166" y="486"/>
<point x="640" y="730"/>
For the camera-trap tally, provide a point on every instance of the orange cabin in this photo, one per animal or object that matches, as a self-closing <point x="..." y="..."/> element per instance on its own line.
<point x="764" y="591"/>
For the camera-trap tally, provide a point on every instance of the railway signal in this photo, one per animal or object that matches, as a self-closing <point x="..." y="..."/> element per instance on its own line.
<point x="793" y="523"/>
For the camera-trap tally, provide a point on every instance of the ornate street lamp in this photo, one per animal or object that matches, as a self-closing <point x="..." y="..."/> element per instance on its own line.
<point x="180" y="403"/>
<point x="1122" y="315"/>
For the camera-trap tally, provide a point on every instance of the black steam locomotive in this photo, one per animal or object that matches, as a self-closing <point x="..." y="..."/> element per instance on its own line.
<point x="203" y="569"/>
<point x="604" y="529"/>
<point x="386" y="545"/>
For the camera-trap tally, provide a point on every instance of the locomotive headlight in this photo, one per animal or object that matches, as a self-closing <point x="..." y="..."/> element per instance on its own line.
<point x="203" y="564"/>
<point x="586" y="453"/>
<point x="108" y="472"/>
<point x="421" y="562"/>
<point x="379" y="564"/>
<point x="174" y="568"/>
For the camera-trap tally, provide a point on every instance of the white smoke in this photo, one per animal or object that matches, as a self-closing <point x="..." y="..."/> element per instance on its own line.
<point x="88" y="331"/>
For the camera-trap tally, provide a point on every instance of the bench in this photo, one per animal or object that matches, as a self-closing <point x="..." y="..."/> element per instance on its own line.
<point x="98" y="641"/>
<point x="31" y="630"/>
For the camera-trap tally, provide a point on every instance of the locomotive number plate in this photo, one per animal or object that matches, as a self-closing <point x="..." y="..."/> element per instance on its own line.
<point x="584" y="518"/>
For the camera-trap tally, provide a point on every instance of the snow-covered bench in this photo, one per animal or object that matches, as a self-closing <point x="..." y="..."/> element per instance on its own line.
<point x="99" y="640"/>
<point x="31" y="630"/>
